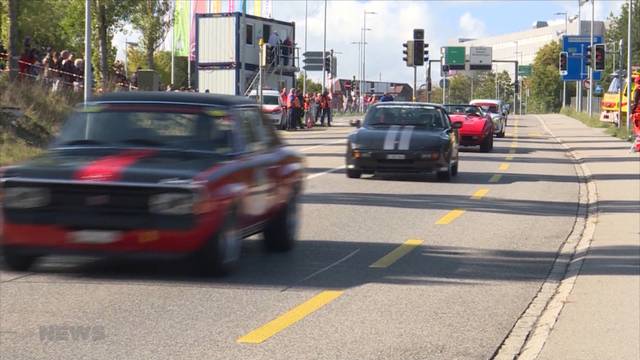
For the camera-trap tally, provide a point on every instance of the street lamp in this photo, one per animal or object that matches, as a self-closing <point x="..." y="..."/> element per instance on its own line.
<point x="564" y="83"/>
<point x="364" y="53"/>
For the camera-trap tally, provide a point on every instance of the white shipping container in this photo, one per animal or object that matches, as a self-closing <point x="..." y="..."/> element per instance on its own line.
<point x="220" y="81"/>
<point x="220" y="44"/>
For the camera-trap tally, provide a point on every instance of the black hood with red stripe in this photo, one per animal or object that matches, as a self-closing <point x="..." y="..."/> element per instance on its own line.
<point x="115" y="164"/>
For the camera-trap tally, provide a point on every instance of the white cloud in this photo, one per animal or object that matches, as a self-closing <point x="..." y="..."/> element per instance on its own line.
<point x="471" y="27"/>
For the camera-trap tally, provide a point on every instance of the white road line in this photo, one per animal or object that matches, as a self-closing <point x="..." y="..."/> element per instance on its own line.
<point x="329" y="143"/>
<point x="313" y="176"/>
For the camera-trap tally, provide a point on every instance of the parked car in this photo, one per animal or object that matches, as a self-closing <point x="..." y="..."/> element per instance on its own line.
<point x="477" y="127"/>
<point x="271" y="106"/>
<point x="404" y="137"/>
<point x="170" y="174"/>
<point x="494" y="107"/>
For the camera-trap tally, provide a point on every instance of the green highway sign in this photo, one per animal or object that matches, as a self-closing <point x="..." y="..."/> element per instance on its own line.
<point x="524" y="70"/>
<point x="454" y="57"/>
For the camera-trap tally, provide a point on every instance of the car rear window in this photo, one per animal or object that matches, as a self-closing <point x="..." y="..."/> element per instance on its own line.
<point x="404" y="115"/>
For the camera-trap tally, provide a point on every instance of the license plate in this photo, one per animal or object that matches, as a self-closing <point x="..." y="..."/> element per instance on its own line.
<point x="94" y="236"/>
<point x="396" y="156"/>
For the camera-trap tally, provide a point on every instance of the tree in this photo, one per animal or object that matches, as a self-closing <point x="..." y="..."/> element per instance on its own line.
<point x="312" y="87"/>
<point x="162" y="60"/>
<point x="545" y="82"/>
<point x="12" y="45"/>
<point x="459" y="91"/>
<point x="153" y="19"/>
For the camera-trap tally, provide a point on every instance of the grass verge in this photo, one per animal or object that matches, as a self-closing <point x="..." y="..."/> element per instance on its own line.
<point x="593" y="121"/>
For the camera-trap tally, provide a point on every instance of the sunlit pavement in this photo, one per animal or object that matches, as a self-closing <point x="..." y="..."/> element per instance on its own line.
<point x="386" y="268"/>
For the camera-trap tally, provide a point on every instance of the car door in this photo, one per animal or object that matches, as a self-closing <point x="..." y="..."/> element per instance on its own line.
<point x="258" y="164"/>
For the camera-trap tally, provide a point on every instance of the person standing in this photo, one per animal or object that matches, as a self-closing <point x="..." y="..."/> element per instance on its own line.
<point x="283" y="100"/>
<point x="308" y="105"/>
<point x="325" y="106"/>
<point x="317" y="109"/>
<point x="635" y="114"/>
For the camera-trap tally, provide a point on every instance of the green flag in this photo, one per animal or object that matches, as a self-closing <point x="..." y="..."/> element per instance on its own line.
<point x="181" y="26"/>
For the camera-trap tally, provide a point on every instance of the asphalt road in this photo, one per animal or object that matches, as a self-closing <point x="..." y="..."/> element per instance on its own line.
<point x="387" y="268"/>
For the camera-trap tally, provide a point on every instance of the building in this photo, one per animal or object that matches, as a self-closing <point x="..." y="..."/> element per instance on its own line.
<point x="228" y="53"/>
<point x="523" y="45"/>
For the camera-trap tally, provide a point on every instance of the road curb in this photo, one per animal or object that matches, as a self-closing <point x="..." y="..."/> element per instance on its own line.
<point x="528" y="336"/>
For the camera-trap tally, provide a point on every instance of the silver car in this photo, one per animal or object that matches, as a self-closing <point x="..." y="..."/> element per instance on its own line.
<point x="495" y="108"/>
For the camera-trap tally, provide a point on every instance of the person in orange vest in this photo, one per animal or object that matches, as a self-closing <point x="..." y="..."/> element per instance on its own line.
<point x="294" y="109"/>
<point x="283" y="104"/>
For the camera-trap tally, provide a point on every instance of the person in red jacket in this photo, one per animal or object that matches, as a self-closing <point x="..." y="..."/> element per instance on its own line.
<point x="325" y="108"/>
<point x="635" y="114"/>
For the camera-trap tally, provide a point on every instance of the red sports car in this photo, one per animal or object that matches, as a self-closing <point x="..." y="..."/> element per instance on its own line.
<point x="477" y="127"/>
<point x="154" y="174"/>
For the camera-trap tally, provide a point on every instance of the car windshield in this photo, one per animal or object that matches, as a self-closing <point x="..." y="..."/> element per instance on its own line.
<point x="268" y="99"/>
<point x="492" y="108"/>
<point x="189" y="130"/>
<point x="388" y="115"/>
<point x="464" y="109"/>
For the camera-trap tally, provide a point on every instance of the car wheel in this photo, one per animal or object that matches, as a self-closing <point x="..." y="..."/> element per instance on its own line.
<point x="454" y="169"/>
<point x="220" y="254"/>
<point x="281" y="232"/>
<point x="354" y="174"/>
<point x="500" y="134"/>
<point x="487" y="144"/>
<point x="445" y="175"/>
<point x="17" y="262"/>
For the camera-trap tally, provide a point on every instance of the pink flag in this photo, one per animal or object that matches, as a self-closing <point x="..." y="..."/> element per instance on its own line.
<point x="198" y="7"/>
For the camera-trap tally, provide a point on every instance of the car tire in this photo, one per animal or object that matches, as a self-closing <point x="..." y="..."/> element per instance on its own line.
<point x="220" y="254"/>
<point x="447" y="174"/>
<point x="487" y="144"/>
<point x="500" y="134"/>
<point x="354" y="174"/>
<point x="17" y="262"/>
<point x="281" y="232"/>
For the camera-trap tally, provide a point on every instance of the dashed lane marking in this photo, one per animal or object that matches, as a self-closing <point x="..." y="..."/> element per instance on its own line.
<point x="289" y="318"/>
<point x="396" y="254"/>
<point x="451" y="215"/>
<point x="504" y="166"/>
<point x="479" y="194"/>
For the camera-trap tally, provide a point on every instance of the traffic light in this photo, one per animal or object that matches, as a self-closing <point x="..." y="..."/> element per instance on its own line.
<point x="600" y="54"/>
<point x="418" y="52"/>
<point x="563" y="61"/>
<point x="587" y="56"/>
<point x="408" y="53"/>
<point x="426" y="53"/>
<point x="327" y="63"/>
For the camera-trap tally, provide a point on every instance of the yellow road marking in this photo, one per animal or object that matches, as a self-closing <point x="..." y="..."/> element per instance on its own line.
<point x="396" y="254"/>
<point x="510" y="157"/>
<point x="512" y="151"/>
<point x="289" y="318"/>
<point x="452" y="215"/>
<point x="495" y="178"/>
<point x="514" y="144"/>
<point x="504" y="166"/>
<point x="479" y="194"/>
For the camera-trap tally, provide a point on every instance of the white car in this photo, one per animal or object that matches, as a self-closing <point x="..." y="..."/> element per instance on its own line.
<point x="494" y="108"/>
<point x="271" y="106"/>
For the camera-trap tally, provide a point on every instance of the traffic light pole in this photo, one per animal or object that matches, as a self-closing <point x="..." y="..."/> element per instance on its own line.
<point x="590" y="106"/>
<point x="415" y="77"/>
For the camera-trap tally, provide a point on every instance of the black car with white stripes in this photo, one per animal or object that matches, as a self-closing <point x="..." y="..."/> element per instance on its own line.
<point x="404" y="137"/>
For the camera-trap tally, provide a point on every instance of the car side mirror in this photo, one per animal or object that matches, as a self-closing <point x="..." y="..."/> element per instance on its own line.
<point x="456" y="125"/>
<point x="356" y="123"/>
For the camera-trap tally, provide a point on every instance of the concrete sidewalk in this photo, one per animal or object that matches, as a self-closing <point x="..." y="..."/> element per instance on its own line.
<point x="601" y="317"/>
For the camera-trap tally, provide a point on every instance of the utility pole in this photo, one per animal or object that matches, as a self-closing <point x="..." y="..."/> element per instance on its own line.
<point x="590" y="107"/>
<point x="364" y="58"/>
<point x="304" y="83"/>
<point x="566" y="33"/>
<point x="579" y="82"/>
<point x="324" y="48"/>
<point x="629" y="59"/>
<point x="87" y="52"/>
<point x="620" y="88"/>
<point x="415" y="76"/>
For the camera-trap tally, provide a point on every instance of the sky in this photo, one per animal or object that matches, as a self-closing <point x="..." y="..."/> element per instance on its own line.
<point x="394" y="21"/>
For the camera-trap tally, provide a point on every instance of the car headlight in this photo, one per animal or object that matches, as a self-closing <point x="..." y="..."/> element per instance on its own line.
<point x="355" y="146"/>
<point x="172" y="203"/>
<point x="25" y="197"/>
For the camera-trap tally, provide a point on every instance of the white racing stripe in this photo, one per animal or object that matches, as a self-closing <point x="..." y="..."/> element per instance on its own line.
<point x="405" y="137"/>
<point x="390" y="139"/>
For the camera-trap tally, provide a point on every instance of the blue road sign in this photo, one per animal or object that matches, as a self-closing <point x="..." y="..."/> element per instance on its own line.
<point x="576" y="48"/>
